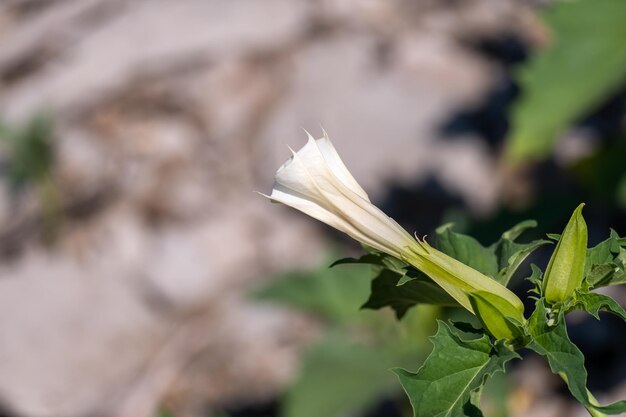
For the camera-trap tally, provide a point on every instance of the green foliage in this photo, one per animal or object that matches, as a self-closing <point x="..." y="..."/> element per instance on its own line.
<point x="453" y="358"/>
<point x="388" y="291"/>
<point x="467" y="250"/>
<point x="398" y="285"/>
<point x="349" y="373"/>
<point x="30" y="150"/>
<point x="348" y="366"/>
<point x="511" y="254"/>
<point x="605" y="263"/>
<point x="30" y="160"/>
<point x="328" y="292"/>
<point x="584" y="63"/>
<point x="348" y="376"/>
<point x="550" y="339"/>
<point x="376" y="258"/>
<point x="593" y="303"/>
<point x="450" y="381"/>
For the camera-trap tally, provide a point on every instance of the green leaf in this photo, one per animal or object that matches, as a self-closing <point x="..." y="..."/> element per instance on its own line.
<point x="511" y="254"/>
<point x="605" y="263"/>
<point x="565" y="359"/>
<point x="348" y="367"/>
<point x="535" y="278"/>
<point x="334" y="294"/>
<point x="593" y="303"/>
<point x="345" y="373"/>
<point x="450" y="380"/>
<point x="376" y="258"/>
<point x="554" y="236"/>
<point x="584" y="64"/>
<point x="386" y="292"/>
<point x="339" y="377"/>
<point x="398" y="285"/>
<point x="404" y="279"/>
<point x="517" y="230"/>
<point x="604" y="252"/>
<point x="467" y="327"/>
<point x="467" y="250"/>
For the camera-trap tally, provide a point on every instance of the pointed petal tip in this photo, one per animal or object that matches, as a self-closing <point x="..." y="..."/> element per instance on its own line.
<point x="269" y="197"/>
<point x="309" y="136"/>
<point x="293" y="153"/>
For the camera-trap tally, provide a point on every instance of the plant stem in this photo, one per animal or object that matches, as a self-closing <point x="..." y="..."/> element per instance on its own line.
<point x="592" y="411"/>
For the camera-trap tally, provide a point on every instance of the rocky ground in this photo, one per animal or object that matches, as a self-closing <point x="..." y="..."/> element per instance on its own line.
<point x="168" y="114"/>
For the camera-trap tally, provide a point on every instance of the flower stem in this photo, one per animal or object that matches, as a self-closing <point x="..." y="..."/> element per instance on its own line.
<point x="592" y="411"/>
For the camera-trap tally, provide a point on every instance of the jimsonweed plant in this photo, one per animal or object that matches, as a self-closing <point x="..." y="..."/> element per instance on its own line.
<point x="456" y="270"/>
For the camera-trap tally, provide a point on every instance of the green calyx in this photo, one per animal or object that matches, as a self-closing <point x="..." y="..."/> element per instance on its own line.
<point x="498" y="308"/>
<point x="498" y="318"/>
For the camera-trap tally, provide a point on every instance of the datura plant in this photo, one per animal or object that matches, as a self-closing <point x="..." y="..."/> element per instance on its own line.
<point x="457" y="271"/>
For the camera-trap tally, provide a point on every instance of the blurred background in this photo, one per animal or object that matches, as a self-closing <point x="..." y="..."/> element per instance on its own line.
<point x="140" y="276"/>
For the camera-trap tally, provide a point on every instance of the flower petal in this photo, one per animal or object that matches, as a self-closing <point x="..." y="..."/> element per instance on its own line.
<point x="337" y="166"/>
<point x="304" y="204"/>
<point x="361" y="214"/>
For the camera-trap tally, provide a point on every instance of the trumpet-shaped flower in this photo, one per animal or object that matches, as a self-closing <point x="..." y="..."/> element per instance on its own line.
<point x="316" y="181"/>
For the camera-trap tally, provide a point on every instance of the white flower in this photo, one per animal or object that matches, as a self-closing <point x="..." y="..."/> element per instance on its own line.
<point x="316" y="181"/>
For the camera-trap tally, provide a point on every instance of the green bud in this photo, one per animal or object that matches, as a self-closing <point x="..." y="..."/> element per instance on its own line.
<point x="567" y="264"/>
